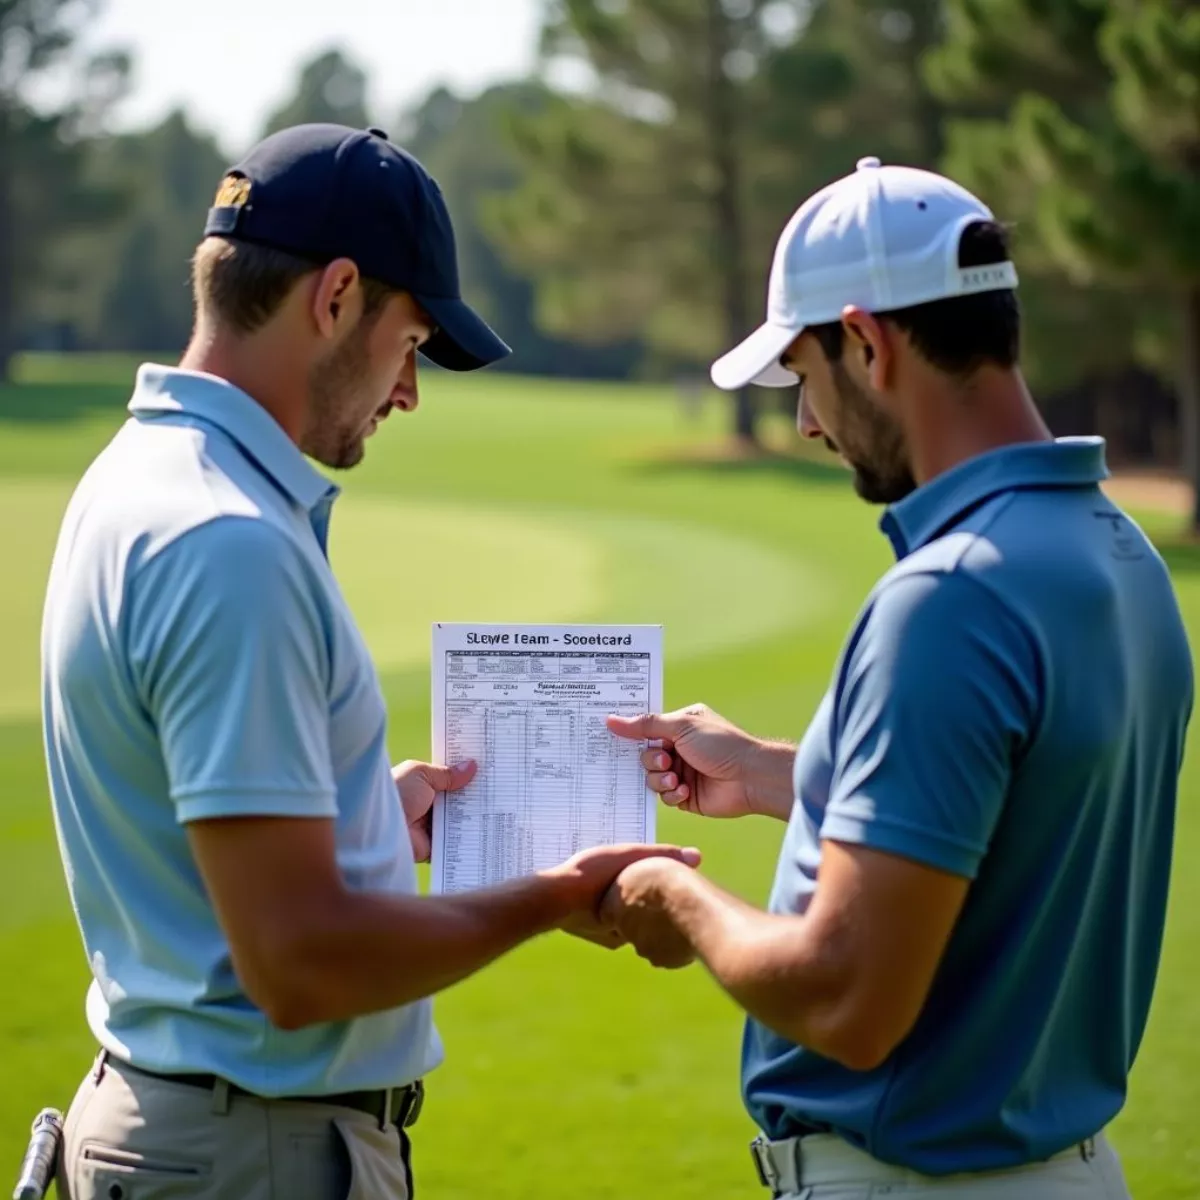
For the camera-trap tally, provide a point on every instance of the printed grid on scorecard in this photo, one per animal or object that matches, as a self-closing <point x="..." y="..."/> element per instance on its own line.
<point x="528" y="703"/>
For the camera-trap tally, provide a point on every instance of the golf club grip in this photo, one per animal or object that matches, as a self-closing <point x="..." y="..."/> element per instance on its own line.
<point x="37" y="1169"/>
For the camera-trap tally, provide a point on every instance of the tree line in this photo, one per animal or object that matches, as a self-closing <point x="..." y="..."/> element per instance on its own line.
<point x="623" y="226"/>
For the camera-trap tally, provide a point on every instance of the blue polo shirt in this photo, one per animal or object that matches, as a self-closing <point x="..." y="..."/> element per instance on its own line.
<point x="1011" y="707"/>
<point x="199" y="662"/>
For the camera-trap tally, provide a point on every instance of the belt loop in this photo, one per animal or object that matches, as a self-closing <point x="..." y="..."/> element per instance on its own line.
<point x="418" y="1102"/>
<point x="385" y="1117"/>
<point x="220" y="1097"/>
<point x="797" y="1157"/>
<point x="768" y="1176"/>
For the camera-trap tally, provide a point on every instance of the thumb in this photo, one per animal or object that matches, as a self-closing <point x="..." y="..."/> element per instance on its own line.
<point x="450" y="779"/>
<point x="608" y="913"/>
<point x="651" y="727"/>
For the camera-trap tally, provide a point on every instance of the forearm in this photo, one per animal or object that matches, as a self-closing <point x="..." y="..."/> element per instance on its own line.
<point x="767" y="964"/>
<point x="768" y="778"/>
<point x="369" y="952"/>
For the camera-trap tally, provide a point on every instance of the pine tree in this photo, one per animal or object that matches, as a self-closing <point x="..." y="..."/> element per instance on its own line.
<point x="125" y="285"/>
<point x="331" y="88"/>
<point x="463" y="144"/>
<point x="637" y="211"/>
<point x="652" y="202"/>
<point x="41" y="153"/>
<point x="1102" y="145"/>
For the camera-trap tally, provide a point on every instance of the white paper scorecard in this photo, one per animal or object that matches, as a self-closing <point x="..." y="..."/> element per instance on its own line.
<point x="528" y="703"/>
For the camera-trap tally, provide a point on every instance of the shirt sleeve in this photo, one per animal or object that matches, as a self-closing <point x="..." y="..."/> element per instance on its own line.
<point x="936" y="698"/>
<point x="230" y="655"/>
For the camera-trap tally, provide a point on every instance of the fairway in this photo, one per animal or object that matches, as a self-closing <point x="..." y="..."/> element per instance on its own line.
<point x="569" y="1071"/>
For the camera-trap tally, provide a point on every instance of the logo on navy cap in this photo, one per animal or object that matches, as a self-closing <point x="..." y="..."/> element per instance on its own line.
<point x="234" y="192"/>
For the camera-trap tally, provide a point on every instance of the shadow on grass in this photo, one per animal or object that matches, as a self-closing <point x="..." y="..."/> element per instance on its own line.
<point x="731" y="462"/>
<point x="47" y="403"/>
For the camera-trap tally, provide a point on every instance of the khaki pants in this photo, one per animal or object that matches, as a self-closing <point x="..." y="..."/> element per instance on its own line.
<point x="831" y="1169"/>
<point x="129" y="1136"/>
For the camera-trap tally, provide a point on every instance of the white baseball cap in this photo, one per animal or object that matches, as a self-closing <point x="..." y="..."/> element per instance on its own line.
<point x="883" y="238"/>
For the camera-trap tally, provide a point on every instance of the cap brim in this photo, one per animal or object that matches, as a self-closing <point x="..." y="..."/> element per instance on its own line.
<point x="463" y="340"/>
<point x="756" y="360"/>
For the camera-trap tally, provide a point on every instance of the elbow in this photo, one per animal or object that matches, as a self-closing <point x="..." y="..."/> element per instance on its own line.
<point x="859" y="1041"/>
<point x="859" y="1050"/>
<point x="825" y="994"/>
<point x="281" y="983"/>
<point x="288" y="1011"/>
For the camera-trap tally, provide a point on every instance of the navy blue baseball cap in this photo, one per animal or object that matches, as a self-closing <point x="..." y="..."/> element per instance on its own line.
<point x="323" y="192"/>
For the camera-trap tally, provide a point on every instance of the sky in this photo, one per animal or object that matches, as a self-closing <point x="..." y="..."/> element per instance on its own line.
<point x="230" y="62"/>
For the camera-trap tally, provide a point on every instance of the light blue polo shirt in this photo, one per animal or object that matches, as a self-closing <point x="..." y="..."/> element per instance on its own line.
<point x="199" y="661"/>
<point x="1011" y="707"/>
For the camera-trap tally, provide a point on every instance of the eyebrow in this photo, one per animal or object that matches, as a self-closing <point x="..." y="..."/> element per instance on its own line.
<point x="423" y="313"/>
<point x="429" y="323"/>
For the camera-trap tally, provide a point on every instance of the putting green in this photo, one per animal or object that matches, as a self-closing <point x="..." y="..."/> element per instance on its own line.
<point x="404" y="564"/>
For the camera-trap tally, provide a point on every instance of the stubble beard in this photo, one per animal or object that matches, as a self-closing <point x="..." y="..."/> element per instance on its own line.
<point x="337" y="430"/>
<point x="874" y="445"/>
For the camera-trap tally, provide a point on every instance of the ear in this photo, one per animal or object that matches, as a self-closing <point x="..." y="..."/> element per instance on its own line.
<point x="867" y="345"/>
<point x="337" y="297"/>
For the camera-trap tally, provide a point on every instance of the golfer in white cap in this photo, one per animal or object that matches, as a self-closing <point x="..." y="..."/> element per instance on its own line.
<point x="951" y="985"/>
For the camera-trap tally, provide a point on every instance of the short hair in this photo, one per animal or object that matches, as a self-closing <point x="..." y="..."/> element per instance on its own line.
<point x="960" y="333"/>
<point x="242" y="285"/>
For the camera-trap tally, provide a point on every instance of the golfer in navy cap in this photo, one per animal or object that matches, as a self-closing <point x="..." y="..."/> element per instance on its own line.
<point x="239" y="850"/>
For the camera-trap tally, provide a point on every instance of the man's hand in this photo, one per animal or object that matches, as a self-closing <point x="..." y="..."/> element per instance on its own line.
<point x="418" y="783"/>
<point x="708" y="766"/>
<point x="588" y="876"/>
<point x="633" y="908"/>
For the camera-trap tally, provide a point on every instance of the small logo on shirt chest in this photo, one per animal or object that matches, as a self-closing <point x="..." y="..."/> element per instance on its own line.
<point x="1126" y="546"/>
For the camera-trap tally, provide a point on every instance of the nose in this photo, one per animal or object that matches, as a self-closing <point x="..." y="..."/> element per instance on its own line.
<point x="405" y="395"/>
<point x="806" y="423"/>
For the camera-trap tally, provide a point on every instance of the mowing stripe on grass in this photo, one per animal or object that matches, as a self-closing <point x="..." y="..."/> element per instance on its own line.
<point x="404" y="564"/>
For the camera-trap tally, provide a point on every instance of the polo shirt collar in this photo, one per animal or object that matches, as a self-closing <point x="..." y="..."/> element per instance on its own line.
<point x="1073" y="462"/>
<point x="172" y="390"/>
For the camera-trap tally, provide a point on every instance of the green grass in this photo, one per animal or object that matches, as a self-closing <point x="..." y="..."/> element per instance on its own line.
<point x="510" y="499"/>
